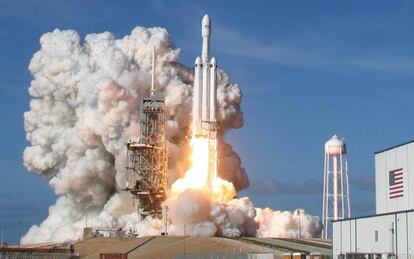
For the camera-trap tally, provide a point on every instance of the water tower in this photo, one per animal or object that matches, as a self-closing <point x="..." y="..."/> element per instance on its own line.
<point x="335" y="185"/>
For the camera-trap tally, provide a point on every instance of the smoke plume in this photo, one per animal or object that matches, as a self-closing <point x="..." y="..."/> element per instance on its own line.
<point x="84" y="108"/>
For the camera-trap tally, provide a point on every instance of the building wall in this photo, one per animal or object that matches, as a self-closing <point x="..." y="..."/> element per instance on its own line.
<point x="368" y="235"/>
<point x="386" y="161"/>
<point x="391" y="231"/>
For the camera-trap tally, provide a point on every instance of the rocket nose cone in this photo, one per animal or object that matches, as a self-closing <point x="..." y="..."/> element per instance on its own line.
<point x="213" y="61"/>
<point x="198" y="61"/>
<point x="206" y="26"/>
<point x="206" y="20"/>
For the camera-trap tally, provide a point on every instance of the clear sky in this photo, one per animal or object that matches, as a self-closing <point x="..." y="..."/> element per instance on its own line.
<point x="307" y="69"/>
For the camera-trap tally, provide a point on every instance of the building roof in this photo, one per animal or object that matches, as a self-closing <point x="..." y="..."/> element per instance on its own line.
<point x="402" y="144"/>
<point x="376" y="215"/>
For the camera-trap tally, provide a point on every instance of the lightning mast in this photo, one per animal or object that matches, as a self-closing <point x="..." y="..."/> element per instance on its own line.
<point x="147" y="158"/>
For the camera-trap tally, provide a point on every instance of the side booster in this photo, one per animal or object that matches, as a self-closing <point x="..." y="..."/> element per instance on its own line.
<point x="205" y="86"/>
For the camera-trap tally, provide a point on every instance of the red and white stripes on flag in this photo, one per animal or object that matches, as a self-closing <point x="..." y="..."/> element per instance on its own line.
<point x="396" y="183"/>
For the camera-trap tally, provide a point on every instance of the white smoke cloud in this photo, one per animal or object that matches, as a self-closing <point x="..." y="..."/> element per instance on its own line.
<point x="285" y="224"/>
<point x="84" y="108"/>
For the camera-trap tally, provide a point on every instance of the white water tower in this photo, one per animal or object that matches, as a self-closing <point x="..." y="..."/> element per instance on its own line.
<point x="335" y="185"/>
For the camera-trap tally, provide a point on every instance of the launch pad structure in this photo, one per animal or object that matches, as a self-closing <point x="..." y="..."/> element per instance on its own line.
<point x="147" y="158"/>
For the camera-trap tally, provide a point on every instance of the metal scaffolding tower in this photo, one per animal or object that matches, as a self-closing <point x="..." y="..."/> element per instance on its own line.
<point x="147" y="157"/>
<point x="336" y="203"/>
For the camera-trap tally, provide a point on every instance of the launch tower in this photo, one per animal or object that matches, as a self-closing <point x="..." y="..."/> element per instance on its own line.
<point x="335" y="185"/>
<point x="147" y="157"/>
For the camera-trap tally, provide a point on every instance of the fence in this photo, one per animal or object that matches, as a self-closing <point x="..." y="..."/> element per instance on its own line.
<point x="35" y="253"/>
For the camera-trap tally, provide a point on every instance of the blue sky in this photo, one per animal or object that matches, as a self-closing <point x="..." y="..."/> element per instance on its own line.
<point x="307" y="69"/>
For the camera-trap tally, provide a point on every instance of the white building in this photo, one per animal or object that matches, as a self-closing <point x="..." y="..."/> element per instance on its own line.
<point x="390" y="232"/>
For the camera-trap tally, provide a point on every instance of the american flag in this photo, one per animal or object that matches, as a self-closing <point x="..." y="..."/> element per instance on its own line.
<point x="396" y="183"/>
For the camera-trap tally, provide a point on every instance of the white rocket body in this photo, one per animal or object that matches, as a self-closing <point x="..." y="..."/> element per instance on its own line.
<point x="205" y="101"/>
<point x="205" y="86"/>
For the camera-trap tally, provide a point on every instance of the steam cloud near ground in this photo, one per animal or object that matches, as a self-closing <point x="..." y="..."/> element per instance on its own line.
<point x="84" y="108"/>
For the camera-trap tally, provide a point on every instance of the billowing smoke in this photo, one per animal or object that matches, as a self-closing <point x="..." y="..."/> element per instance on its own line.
<point x="84" y="108"/>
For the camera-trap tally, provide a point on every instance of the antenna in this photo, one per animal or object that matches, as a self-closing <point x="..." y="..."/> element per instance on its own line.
<point x="153" y="72"/>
